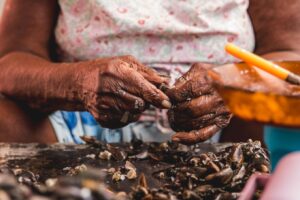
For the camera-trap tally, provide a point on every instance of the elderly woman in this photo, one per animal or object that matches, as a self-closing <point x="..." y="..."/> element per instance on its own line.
<point x="62" y="58"/>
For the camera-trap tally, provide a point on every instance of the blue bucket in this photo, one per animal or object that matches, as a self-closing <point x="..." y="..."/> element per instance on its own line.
<point x="280" y="142"/>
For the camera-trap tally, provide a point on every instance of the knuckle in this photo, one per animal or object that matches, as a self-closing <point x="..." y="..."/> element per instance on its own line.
<point x="110" y="85"/>
<point x="110" y="65"/>
<point x="107" y="70"/>
<point x="114" y="64"/>
<point x="180" y="94"/>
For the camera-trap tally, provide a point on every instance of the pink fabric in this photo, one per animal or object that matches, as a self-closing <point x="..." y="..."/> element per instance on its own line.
<point x="160" y="31"/>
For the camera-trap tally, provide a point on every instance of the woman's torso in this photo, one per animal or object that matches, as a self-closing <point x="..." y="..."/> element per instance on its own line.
<point x="160" y="31"/>
<point x="168" y="35"/>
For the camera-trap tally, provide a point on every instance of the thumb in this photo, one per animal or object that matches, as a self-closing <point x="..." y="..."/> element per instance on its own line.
<point x="195" y="136"/>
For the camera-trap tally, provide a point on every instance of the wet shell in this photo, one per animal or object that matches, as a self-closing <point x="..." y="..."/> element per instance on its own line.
<point x="116" y="153"/>
<point x="50" y="182"/>
<point x="81" y="168"/>
<point x="129" y="165"/>
<point x="105" y="155"/>
<point x="131" y="174"/>
<point x="241" y="173"/>
<point x="92" y="156"/>
<point x="236" y="156"/>
<point x="142" y="181"/>
<point x="117" y="176"/>
<point x="222" y="177"/>
<point x="195" y="161"/>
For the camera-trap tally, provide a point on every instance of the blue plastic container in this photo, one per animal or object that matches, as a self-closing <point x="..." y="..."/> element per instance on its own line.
<point x="281" y="141"/>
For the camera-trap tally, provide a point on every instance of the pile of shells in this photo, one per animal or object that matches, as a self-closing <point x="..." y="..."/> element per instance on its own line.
<point x="86" y="186"/>
<point x="183" y="172"/>
<point x="208" y="175"/>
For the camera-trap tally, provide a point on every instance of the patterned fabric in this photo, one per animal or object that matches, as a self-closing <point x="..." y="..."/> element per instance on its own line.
<point x="168" y="35"/>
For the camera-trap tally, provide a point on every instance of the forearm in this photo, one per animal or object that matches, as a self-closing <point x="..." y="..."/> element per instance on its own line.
<point x="276" y="26"/>
<point x="39" y="83"/>
<point x="282" y="56"/>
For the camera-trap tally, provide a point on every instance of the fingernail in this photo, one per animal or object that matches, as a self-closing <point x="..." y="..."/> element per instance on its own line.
<point x="164" y="75"/>
<point x="166" y="104"/>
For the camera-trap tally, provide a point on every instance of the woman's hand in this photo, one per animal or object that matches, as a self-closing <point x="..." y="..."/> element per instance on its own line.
<point x="117" y="90"/>
<point x="198" y="111"/>
<point x="114" y="90"/>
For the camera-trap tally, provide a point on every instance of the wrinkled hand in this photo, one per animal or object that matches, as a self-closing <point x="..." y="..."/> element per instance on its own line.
<point x="198" y="111"/>
<point x="117" y="90"/>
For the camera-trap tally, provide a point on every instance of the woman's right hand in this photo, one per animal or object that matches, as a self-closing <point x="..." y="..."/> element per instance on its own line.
<point x="117" y="90"/>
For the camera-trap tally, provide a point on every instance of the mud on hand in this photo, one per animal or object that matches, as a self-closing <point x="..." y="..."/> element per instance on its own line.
<point x="198" y="112"/>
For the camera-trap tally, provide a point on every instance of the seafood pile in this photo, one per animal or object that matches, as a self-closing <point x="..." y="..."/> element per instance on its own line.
<point x="141" y="171"/>
<point x="219" y="175"/>
<point x="85" y="186"/>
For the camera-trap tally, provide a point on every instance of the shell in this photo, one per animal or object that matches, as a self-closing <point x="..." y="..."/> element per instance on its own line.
<point x="131" y="174"/>
<point x="105" y="155"/>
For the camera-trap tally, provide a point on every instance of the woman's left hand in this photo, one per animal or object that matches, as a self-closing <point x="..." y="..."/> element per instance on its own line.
<point x="198" y="111"/>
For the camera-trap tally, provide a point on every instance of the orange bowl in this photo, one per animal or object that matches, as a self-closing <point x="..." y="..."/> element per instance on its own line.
<point x="255" y="95"/>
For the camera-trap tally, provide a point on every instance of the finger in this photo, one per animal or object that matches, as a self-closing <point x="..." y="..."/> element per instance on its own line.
<point x="187" y="124"/>
<point x="195" y="136"/>
<point x="192" y="84"/>
<point x="200" y="106"/>
<point x="106" y="119"/>
<point x="139" y="86"/>
<point x="114" y="124"/>
<point x="220" y="117"/>
<point x="122" y="101"/>
<point x="110" y="119"/>
<point x="189" y="90"/>
<point x="148" y="73"/>
<point x="198" y="68"/>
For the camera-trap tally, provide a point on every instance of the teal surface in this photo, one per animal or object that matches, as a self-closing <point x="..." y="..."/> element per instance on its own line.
<point x="280" y="142"/>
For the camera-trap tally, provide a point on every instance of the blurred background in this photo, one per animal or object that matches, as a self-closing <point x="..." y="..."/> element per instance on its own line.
<point x="1" y="5"/>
